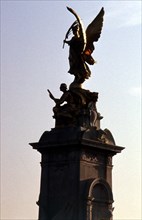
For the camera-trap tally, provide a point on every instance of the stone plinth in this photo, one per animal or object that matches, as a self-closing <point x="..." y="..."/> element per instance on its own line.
<point x="76" y="176"/>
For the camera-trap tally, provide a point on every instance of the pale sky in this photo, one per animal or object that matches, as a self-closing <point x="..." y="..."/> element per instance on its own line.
<point x="32" y="60"/>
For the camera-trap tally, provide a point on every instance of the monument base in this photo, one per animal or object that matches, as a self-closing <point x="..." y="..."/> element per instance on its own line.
<point x="76" y="176"/>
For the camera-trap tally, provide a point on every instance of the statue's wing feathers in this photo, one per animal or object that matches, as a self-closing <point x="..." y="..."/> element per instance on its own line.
<point x="93" y="33"/>
<point x="94" y="29"/>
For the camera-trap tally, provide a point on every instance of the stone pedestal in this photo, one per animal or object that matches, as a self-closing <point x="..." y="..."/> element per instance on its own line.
<point x="76" y="174"/>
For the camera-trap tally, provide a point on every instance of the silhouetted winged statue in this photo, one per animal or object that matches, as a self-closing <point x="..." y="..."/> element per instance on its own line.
<point x="81" y="46"/>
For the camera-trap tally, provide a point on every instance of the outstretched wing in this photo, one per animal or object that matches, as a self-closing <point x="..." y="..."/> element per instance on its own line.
<point x="94" y="29"/>
<point x="93" y="33"/>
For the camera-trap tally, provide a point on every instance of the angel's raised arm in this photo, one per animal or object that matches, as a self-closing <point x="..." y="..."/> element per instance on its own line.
<point x="81" y="28"/>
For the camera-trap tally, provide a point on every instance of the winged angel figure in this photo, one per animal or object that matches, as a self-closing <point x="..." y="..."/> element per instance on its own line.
<point x="81" y="45"/>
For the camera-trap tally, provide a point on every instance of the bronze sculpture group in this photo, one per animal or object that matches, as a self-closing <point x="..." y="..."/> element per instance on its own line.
<point x="77" y="106"/>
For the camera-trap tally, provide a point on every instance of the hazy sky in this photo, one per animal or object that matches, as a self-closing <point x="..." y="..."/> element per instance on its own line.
<point x="32" y="60"/>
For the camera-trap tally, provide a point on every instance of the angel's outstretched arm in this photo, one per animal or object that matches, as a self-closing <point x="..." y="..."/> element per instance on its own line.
<point x="81" y="28"/>
<point x="67" y="42"/>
